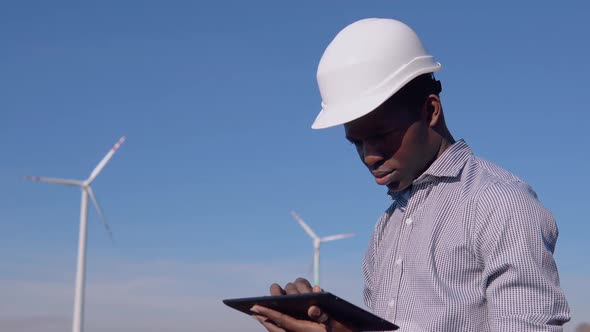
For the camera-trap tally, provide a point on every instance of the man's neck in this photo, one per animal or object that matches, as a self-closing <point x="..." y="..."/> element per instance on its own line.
<point x="447" y="140"/>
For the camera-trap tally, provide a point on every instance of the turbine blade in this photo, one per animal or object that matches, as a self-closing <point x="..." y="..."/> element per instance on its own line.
<point x="336" y="237"/>
<point x="99" y="210"/>
<point x="67" y="182"/>
<point x="105" y="160"/>
<point x="304" y="225"/>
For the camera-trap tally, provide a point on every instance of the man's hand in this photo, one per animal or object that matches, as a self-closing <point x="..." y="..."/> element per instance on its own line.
<point x="275" y="321"/>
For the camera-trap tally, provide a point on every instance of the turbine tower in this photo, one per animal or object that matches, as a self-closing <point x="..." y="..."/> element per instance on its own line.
<point x="316" y="245"/>
<point x="78" y="320"/>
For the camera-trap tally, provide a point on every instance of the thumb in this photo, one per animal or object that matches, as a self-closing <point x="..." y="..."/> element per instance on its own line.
<point x="315" y="312"/>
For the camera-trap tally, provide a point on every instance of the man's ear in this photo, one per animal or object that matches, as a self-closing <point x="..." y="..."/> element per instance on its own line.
<point x="433" y="110"/>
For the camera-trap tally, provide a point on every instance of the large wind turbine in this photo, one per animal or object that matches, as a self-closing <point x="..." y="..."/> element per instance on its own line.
<point x="77" y="323"/>
<point x="316" y="245"/>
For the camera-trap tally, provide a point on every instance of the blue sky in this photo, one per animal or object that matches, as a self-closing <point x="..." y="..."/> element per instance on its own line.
<point x="216" y="100"/>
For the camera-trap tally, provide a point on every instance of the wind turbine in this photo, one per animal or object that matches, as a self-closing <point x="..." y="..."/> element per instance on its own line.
<point x="316" y="245"/>
<point x="77" y="323"/>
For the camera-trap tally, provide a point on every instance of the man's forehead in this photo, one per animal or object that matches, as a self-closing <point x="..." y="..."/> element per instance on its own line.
<point x="380" y="119"/>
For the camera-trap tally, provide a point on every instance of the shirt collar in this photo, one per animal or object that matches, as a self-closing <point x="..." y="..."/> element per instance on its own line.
<point x="448" y="164"/>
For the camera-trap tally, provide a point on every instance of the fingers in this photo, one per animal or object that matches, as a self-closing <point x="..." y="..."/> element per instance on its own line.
<point x="275" y="289"/>
<point x="274" y="321"/>
<point x="268" y="325"/>
<point x="290" y="288"/>
<point x="303" y="286"/>
<point x="277" y="322"/>
<point x="299" y="286"/>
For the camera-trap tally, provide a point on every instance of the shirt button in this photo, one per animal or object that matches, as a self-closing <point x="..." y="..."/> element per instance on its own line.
<point x="391" y="303"/>
<point x="409" y="221"/>
<point x="398" y="261"/>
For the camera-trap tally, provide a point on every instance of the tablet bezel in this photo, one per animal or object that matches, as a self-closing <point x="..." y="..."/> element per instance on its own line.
<point x="296" y="306"/>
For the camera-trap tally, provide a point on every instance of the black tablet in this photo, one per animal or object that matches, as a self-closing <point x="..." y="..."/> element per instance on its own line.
<point x="296" y="306"/>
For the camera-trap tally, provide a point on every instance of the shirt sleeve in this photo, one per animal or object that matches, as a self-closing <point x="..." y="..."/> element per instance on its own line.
<point x="515" y="237"/>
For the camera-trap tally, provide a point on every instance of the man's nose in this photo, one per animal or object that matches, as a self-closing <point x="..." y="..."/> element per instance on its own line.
<point x="371" y="155"/>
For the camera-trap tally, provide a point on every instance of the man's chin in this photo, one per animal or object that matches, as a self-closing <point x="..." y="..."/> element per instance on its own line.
<point x="397" y="186"/>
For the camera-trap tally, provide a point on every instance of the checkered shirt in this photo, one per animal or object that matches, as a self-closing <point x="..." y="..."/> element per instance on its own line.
<point x="468" y="248"/>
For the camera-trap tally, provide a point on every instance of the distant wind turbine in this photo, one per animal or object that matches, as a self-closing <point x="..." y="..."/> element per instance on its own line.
<point x="77" y="323"/>
<point x="316" y="245"/>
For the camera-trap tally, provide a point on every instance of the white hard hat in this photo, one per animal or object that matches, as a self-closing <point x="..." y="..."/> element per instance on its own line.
<point x="365" y="64"/>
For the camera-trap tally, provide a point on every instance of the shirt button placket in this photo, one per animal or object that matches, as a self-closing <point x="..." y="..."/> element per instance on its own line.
<point x="397" y="272"/>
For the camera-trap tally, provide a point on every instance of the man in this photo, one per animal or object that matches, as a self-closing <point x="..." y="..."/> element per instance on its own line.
<point x="465" y="246"/>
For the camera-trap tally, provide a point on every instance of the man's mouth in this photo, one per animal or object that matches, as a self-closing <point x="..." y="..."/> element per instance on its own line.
<point x="383" y="177"/>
